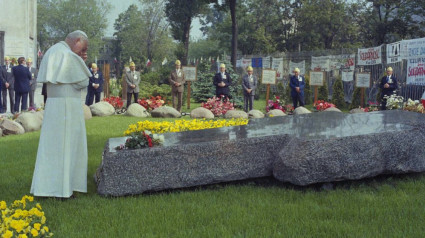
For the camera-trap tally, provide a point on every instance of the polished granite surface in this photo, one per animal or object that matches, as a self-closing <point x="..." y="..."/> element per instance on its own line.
<point x="322" y="125"/>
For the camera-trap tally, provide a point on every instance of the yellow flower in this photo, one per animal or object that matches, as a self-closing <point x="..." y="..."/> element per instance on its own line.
<point x="22" y="236"/>
<point x="46" y="228"/>
<point x="37" y="226"/>
<point x="38" y="206"/>
<point x="43" y="219"/>
<point x="7" y="234"/>
<point x="34" y="232"/>
<point x="3" y="205"/>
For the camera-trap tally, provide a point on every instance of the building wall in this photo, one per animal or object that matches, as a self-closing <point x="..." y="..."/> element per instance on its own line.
<point x="18" y="21"/>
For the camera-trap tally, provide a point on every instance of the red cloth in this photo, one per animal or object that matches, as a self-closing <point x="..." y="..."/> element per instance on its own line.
<point x="423" y="102"/>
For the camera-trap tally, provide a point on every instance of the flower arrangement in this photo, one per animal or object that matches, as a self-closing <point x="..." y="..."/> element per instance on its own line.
<point x="276" y="104"/>
<point x="23" y="219"/>
<point x="394" y="101"/>
<point x="152" y="103"/>
<point x="115" y="101"/>
<point x="141" y="139"/>
<point x="182" y="125"/>
<point x="115" y="87"/>
<point x="414" y="106"/>
<point x="322" y="105"/>
<point x="218" y="106"/>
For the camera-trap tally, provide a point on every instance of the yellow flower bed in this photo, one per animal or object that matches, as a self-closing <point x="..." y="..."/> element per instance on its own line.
<point x="182" y="125"/>
<point x="22" y="219"/>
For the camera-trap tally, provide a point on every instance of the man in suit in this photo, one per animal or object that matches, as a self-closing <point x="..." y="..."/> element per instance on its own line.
<point x="177" y="81"/>
<point x="297" y="84"/>
<point x="95" y="87"/>
<point x="22" y="84"/>
<point x="8" y="86"/>
<point x="249" y="84"/>
<point x="33" y="82"/>
<point x="133" y="79"/>
<point x="388" y="85"/>
<point x="222" y="81"/>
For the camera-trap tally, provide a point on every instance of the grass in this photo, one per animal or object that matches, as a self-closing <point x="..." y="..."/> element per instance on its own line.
<point x="381" y="207"/>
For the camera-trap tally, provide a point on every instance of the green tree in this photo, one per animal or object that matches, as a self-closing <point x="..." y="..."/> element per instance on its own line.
<point x="203" y="88"/>
<point x="180" y="14"/>
<point x="307" y="90"/>
<point x="338" y="93"/>
<point x="356" y="100"/>
<point x="55" y="19"/>
<point x="323" y="91"/>
<point x="143" y="34"/>
<point x="385" y="21"/>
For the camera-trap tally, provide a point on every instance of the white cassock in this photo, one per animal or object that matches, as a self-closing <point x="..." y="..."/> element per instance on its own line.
<point x="61" y="165"/>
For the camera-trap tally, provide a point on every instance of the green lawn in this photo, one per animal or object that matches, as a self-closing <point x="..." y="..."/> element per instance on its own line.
<point x="384" y="207"/>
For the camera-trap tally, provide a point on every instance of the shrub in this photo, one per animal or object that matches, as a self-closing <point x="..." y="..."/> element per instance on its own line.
<point x="355" y="101"/>
<point x="323" y="91"/>
<point x="203" y="88"/>
<point x="338" y="93"/>
<point x="307" y="90"/>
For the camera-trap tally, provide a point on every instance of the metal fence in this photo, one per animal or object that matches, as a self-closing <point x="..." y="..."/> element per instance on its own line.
<point x="377" y="72"/>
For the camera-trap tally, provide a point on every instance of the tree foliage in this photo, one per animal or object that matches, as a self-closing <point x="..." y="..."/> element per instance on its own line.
<point x="142" y="34"/>
<point x="55" y="19"/>
<point x="338" y="93"/>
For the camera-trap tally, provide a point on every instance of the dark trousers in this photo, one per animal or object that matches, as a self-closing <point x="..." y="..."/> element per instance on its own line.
<point x="31" y="96"/>
<point x="92" y="96"/>
<point x="21" y="97"/>
<point x="298" y="99"/>
<point x="177" y="100"/>
<point x="11" y="99"/>
<point x="248" y="102"/>
<point x="136" y="96"/>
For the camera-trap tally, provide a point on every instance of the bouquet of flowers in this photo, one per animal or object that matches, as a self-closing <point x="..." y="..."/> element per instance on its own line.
<point x="218" y="106"/>
<point x="394" y="101"/>
<point x="143" y="139"/>
<point x="152" y="103"/>
<point x="414" y="106"/>
<point x="322" y="105"/>
<point x="115" y="101"/>
<point x="23" y="219"/>
<point x="276" y="104"/>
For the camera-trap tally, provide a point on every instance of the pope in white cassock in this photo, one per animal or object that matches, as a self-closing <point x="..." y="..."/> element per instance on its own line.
<point x="61" y="165"/>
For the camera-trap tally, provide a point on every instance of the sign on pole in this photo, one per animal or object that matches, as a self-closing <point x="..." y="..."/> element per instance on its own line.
<point x="362" y="81"/>
<point x="268" y="77"/>
<point x="190" y="74"/>
<point x="316" y="80"/>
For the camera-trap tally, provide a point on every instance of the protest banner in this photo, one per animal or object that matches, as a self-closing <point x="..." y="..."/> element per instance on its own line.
<point x="277" y="64"/>
<point x="416" y="71"/>
<point x="320" y="63"/>
<point x="300" y="65"/>
<point x="394" y="52"/>
<point x="369" y="56"/>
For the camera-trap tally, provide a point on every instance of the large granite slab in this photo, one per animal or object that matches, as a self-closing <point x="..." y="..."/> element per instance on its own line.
<point x="301" y="149"/>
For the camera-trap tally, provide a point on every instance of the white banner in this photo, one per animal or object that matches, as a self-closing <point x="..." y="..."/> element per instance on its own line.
<point x="266" y="62"/>
<point x="245" y="63"/>
<point x="239" y="63"/>
<point x="300" y="65"/>
<point x="394" y="52"/>
<point x="413" y="48"/>
<point x="416" y="71"/>
<point x="347" y="76"/>
<point x="342" y="62"/>
<point x="369" y="56"/>
<point x="320" y="63"/>
<point x="278" y="66"/>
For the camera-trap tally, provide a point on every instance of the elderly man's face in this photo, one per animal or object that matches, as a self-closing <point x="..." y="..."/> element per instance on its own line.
<point x="29" y="64"/>
<point x="178" y="66"/>
<point x="296" y="73"/>
<point x="7" y="62"/>
<point x="389" y="72"/>
<point x="222" y="69"/>
<point x="80" y="48"/>
<point x="249" y="72"/>
<point x="132" y="68"/>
